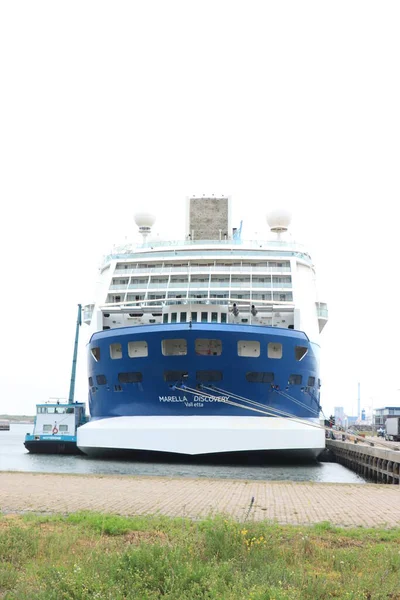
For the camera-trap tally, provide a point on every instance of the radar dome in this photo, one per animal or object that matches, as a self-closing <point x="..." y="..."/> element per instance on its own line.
<point x="144" y="219"/>
<point x="279" y="220"/>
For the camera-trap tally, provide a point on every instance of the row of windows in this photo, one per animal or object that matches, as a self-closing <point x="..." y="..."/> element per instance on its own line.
<point x="204" y="316"/>
<point x="49" y="428"/>
<point x="203" y="347"/>
<point x="204" y="376"/>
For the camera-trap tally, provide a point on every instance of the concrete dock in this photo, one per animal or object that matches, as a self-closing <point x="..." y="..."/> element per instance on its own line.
<point x="364" y="505"/>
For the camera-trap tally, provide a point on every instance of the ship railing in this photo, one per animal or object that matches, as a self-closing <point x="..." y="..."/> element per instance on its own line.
<point x="272" y="304"/>
<point x="160" y="271"/>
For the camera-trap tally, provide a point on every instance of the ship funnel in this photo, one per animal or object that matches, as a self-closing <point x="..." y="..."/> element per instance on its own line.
<point x="144" y="221"/>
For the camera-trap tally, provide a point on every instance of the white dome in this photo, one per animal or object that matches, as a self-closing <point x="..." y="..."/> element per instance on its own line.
<point x="279" y="219"/>
<point x="144" y="219"/>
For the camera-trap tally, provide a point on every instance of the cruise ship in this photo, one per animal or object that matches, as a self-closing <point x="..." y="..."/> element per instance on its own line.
<point x="207" y="346"/>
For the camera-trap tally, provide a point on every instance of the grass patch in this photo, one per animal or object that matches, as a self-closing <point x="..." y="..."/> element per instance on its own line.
<point x="87" y="556"/>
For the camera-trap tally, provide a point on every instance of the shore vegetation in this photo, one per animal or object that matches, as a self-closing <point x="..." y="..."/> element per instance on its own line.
<point x="86" y="556"/>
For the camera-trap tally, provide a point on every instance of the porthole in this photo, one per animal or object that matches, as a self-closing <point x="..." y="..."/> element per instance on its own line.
<point x="300" y="352"/>
<point x="275" y="350"/>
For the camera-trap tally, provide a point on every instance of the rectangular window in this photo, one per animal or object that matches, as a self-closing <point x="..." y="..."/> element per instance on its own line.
<point x="137" y="349"/>
<point x="275" y="350"/>
<point x="174" y="376"/>
<point x="96" y="354"/>
<point x="204" y="317"/>
<point x="63" y="428"/>
<point x="295" y="380"/>
<point x="130" y="377"/>
<point x="311" y="381"/>
<point x="300" y="352"/>
<point x="101" y="379"/>
<point x="209" y="376"/>
<point x="206" y="347"/>
<point x="116" y="350"/>
<point x="174" y="347"/>
<point x="214" y="317"/>
<point x="165" y="318"/>
<point x="47" y="428"/>
<point x="173" y="317"/>
<point x="183" y="317"/>
<point x="223" y="317"/>
<point x="194" y="317"/>
<point x="259" y="377"/>
<point x="248" y="348"/>
<point x="90" y="381"/>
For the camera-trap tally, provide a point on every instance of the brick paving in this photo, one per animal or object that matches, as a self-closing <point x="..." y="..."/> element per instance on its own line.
<point x="366" y="505"/>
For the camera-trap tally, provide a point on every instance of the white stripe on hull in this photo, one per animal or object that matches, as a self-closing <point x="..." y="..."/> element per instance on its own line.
<point x="199" y="435"/>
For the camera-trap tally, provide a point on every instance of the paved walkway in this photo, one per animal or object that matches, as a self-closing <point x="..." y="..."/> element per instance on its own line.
<point x="367" y="505"/>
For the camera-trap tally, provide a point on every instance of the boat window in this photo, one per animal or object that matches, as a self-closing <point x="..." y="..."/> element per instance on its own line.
<point x="194" y="317"/>
<point x="183" y="317"/>
<point x="274" y="350"/>
<point x="311" y="381"/>
<point x="70" y="411"/>
<point x="173" y="317"/>
<point x="214" y="317"/>
<point x="132" y="377"/>
<point x="63" y="428"/>
<point x="223" y="317"/>
<point x="96" y="354"/>
<point x="204" y="317"/>
<point x="47" y="428"/>
<point x="137" y="349"/>
<point x="50" y="409"/>
<point x="165" y="318"/>
<point x="116" y="350"/>
<point x="101" y="379"/>
<point x="259" y="377"/>
<point x="174" y="376"/>
<point x="90" y="381"/>
<point x="94" y="389"/>
<point x="319" y="383"/>
<point x="206" y="347"/>
<point x="295" y="380"/>
<point x="248" y="348"/>
<point x="60" y="410"/>
<point x="300" y="352"/>
<point x="209" y="375"/>
<point x="174" y="347"/>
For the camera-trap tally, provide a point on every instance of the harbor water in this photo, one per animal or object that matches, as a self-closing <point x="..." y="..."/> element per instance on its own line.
<point x="14" y="457"/>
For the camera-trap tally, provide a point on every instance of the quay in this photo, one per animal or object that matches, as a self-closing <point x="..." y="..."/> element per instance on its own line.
<point x="378" y="464"/>
<point x="284" y="502"/>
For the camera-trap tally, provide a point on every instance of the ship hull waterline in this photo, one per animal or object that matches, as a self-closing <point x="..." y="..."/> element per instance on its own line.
<point x="207" y="439"/>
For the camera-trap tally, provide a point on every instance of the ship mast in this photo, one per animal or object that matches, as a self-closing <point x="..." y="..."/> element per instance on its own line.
<point x="74" y="359"/>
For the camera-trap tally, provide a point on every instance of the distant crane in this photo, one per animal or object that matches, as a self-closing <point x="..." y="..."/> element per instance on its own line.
<point x="75" y="355"/>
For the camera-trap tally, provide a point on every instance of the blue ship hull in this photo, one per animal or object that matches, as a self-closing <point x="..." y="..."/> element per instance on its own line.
<point x="156" y="393"/>
<point x="188" y="404"/>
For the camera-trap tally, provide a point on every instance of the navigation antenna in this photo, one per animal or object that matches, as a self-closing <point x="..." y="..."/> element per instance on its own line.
<point x="144" y="221"/>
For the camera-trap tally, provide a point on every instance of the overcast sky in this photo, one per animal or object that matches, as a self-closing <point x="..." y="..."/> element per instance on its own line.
<point x="108" y="108"/>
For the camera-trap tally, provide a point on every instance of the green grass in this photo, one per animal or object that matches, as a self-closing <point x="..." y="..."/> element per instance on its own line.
<point x="87" y="556"/>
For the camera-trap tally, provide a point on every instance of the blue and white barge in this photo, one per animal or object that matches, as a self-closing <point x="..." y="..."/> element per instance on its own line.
<point x="55" y="427"/>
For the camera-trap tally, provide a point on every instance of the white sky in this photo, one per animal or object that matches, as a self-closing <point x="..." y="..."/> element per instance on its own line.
<point x="107" y="108"/>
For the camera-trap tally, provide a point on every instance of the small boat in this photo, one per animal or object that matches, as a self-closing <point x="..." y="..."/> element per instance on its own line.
<point x="4" y="425"/>
<point x="55" y="426"/>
